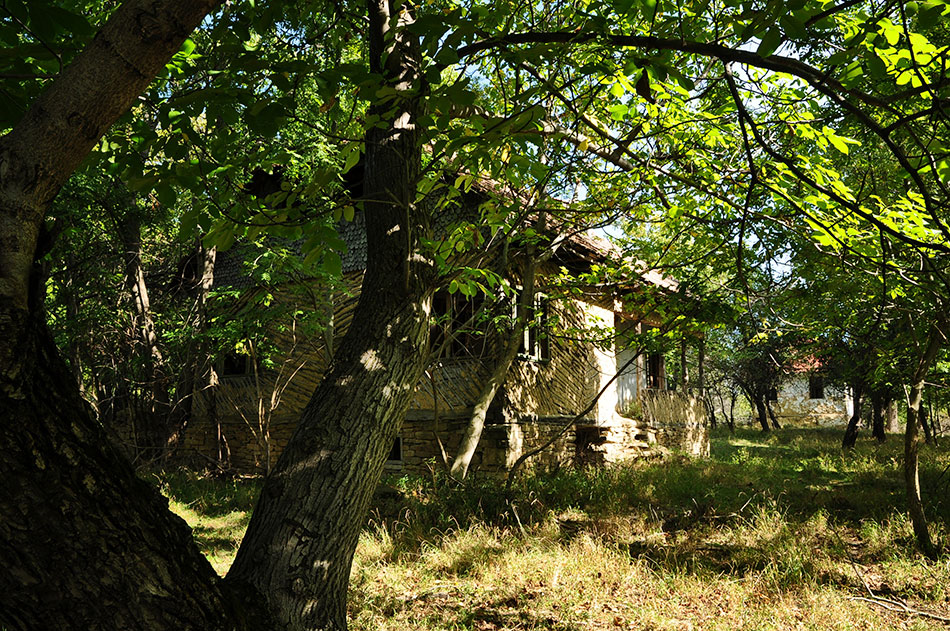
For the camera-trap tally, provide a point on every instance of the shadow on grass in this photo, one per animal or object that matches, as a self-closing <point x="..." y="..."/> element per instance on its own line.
<point x="798" y="472"/>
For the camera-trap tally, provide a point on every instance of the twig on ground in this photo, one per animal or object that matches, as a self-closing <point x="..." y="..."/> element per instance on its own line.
<point x="895" y="605"/>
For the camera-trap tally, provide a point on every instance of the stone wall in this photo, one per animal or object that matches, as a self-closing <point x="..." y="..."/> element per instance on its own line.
<point x="500" y="445"/>
<point x="679" y="421"/>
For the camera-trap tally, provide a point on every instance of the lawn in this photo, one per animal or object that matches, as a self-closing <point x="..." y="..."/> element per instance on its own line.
<point x="781" y="531"/>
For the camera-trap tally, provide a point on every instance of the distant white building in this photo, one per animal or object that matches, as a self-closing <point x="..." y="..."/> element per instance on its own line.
<point x="804" y="398"/>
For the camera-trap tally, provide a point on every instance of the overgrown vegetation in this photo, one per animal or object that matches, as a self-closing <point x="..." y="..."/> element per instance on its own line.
<point x="780" y="531"/>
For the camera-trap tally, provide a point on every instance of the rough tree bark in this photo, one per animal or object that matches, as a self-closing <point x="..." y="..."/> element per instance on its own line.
<point x="300" y="543"/>
<point x="84" y="544"/>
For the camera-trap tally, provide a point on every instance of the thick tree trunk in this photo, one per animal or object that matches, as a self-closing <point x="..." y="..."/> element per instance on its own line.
<point x="915" y="506"/>
<point x="300" y="543"/>
<point x="851" y="431"/>
<point x="84" y="543"/>
<point x="476" y="423"/>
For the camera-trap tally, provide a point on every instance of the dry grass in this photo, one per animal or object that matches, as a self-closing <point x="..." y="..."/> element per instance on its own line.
<point x="776" y="532"/>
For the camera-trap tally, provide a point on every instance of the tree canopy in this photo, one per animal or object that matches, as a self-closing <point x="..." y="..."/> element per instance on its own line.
<point x="718" y="133"/>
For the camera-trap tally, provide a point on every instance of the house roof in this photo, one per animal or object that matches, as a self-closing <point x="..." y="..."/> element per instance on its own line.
<point x="231" y="272"/>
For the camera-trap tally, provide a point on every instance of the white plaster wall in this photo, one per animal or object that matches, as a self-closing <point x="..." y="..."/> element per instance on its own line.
<point x="795" y="405"/>
<point x="605" y="364"/>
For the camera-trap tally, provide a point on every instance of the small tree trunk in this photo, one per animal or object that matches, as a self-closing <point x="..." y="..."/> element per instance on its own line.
<point x="851" y="432"/>
<point x="157" y="408"/>
<point x="912" y="446"/>
<point x="761" y="410"/>
<point x="877" y="416"/>
<point x="892" y="421"/>
<point x="732" y="411"/>
<point x="924" y="416"/>
<point x="476" y="424"/>
<point x="768" y="407"/>
<point x="195" y="363"/>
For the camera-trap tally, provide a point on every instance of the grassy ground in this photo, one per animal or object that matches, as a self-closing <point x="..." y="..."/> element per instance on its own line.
<point x="772" y="532"/>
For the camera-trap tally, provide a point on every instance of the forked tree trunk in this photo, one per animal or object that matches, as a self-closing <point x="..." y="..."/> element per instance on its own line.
<point x="912" y="445"/>
<point x="761" y="410"/>
<point x="300" y="543"/>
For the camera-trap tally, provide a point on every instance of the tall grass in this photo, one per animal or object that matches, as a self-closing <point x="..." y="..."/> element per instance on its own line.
<point x="779" y="531"/>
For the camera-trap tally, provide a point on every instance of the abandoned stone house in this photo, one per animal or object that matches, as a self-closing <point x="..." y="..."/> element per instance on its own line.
<point x="247" y="416"/>
<point x="803" y="397"/>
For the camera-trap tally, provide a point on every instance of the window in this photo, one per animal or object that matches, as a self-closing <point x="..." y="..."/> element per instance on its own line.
<point x="457" y="319"/>
<point x="816" y="387"/>
<point x="395" y="454"/>
<point x="773" y="394"/>
<point x="655" y="371"/>
<point x="235" y="365"/>
<point x="536" y="343"/>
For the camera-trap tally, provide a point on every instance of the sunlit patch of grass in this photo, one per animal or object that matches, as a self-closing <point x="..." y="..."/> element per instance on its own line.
<point x="218" y="511"/>
<point x="773" y="532"/>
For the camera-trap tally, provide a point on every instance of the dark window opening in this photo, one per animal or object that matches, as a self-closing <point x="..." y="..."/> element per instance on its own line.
<point x="458" y="319"/>
<point x="773" y="394"/>
<point x="816" y="387"/>
<point x="235" y="365"/>
<point x="536" y="341"/>
<point x="655" y="371"/>
<point x="395" y="454"/>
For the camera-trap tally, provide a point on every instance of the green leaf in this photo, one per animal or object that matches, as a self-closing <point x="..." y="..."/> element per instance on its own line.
<point x="166" y="194"/>
<point x="770" y="42"/>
